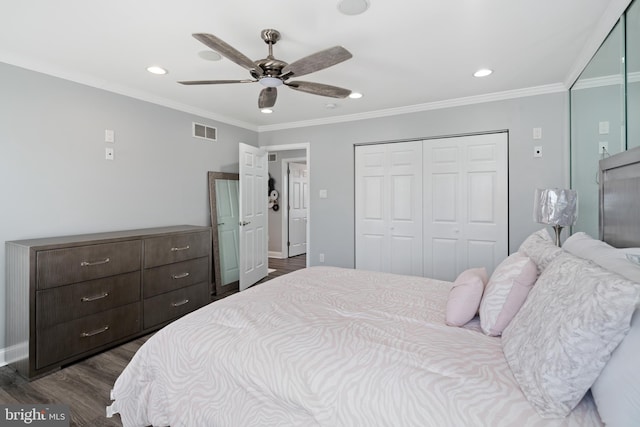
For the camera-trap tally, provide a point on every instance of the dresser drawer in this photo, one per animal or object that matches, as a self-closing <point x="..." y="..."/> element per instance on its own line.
<point x="78" y="264"/>
<point x="175" y="248"/>
<point x="174" y="276"/>
<point x="72" y="338"/>
<point x="171" y="305"/>
<point x="65" y="303"/>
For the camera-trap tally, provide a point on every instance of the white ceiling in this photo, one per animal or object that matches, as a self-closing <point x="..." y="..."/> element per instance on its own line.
<point x="405" y="53"/>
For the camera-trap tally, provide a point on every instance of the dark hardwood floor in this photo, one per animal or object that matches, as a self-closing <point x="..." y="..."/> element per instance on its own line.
<point x="85" y="385"/>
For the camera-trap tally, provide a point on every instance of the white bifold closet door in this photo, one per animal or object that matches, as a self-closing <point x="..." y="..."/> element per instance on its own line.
<point x="466" y="204"/>
<point x="432" y="208"/>
<point x="389" y="207"/>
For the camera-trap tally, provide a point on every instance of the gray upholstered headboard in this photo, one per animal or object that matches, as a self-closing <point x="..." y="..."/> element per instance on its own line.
<point x="620" y="199"/>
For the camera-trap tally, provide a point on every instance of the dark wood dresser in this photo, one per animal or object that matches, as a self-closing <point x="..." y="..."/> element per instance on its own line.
<point x="73" y="296"/>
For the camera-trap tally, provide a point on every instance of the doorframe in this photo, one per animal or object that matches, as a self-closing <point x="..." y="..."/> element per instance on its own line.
<point x="285" y="199"/>
<point x="289" y="147"/>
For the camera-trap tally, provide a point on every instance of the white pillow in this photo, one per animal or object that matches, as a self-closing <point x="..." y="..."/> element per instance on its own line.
<point x="560" y="340"/>
<point x="613" y="259"/>
<point x="506" y="291"/>
<point x="617" y="389"/>
<point x="540" y="248"/>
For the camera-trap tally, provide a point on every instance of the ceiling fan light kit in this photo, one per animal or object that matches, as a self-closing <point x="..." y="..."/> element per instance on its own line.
<point x="271" y="72"/>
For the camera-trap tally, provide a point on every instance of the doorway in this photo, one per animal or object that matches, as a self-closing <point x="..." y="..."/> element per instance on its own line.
<point x="280" y="158"/>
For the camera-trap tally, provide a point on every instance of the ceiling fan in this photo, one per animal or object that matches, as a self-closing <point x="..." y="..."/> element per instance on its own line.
<point x="271" y="72"/>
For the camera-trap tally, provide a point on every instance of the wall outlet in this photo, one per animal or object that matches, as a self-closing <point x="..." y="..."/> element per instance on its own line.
<point x="603" y="147"/>
<point x="108" y="153"/>
<point x="321" y="257"/>
<point x="537" y="151"/>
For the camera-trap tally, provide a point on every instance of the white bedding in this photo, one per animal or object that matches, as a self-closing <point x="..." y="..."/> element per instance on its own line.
<point x="327" y="347"/>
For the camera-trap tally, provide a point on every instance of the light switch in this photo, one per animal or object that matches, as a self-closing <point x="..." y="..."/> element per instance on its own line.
<point x="603" y="128"/>
<point x="537" y="133"/>
<point x="323" y="194"/>
<point x="108" y="153"/>
<point x="109" y="135"/>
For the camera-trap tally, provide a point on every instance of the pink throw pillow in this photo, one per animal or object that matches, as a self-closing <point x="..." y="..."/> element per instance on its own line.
<point x="465" y="296"/>
<point x="506" y="291"/>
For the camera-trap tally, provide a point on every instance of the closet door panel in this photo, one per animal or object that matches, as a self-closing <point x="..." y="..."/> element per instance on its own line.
<point x="465" y="180"/>
<point x="389" y="207"/>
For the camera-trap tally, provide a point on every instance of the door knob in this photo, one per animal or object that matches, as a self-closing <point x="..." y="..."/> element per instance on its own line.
<point x="245" y="222"/>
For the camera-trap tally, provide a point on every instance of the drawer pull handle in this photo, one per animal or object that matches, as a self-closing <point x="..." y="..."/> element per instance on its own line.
<point x="178" y="304"/>
<point x="94" y="332"/>
<point x="95" y="297"/>
<point x="184" y="248"/>
<point x="90" y="263"/>
<point x="180" y="276"/>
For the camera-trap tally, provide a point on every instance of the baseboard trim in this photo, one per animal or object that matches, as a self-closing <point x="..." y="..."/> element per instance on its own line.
<point x="273" y="254"/>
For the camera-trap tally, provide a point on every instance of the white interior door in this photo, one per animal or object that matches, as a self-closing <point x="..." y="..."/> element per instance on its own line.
<point x="389" y="208"/>
<point x="298" y="205"/>
<point x="466" y="204"/>
<point x="228" y="229"/>
<point x="253" y="215"/>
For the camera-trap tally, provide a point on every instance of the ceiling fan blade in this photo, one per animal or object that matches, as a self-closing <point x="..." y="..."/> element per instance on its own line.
<point x="215" y="82"/>
<point x="319" y="89"/>
<point x="267" y="98"/>
<point x="317" y="61"/>
<point x="228" y="52"/>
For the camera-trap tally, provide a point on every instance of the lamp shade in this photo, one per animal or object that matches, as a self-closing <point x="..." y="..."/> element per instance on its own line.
<point x="555" y="206"/>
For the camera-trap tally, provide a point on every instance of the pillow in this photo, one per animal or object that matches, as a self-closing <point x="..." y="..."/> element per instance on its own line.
<point x="506" y="291"/>
<point x="617" y="389"/>
<point x="606" y="256"/>
<point x="559" y="341"/>
<point x="540" y="248"/>
<point x="465" y="295"/>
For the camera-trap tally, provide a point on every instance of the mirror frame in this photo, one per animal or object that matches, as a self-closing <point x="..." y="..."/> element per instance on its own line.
<point x="220" y="290"/>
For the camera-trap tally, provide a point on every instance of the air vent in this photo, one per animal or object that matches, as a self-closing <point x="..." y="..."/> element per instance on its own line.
<point x="273" y="157"/>
<point x="205" y="132"/>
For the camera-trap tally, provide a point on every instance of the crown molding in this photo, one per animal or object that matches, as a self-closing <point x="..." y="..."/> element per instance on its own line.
<point x="48" y="69"/>
<point x="437" y="105"/>
<point x="599" y="33"/>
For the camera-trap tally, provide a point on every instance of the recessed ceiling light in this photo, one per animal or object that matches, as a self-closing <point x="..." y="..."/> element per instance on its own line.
<point x="483" y="72"/>
<point x="266" y="111"/>
<point x="355" y="95"/>
<point x="154" y="69"/>
<point x="353" y="7"/>
<point x="209" y="55"/>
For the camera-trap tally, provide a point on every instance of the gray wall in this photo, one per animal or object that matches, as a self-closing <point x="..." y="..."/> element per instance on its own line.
<point x="54" y="179"/>
<point x="332" y="162"/>
<point x="275" y="217"/>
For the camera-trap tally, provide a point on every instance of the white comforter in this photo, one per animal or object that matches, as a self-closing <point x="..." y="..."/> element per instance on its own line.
<point x="327" y="347"/>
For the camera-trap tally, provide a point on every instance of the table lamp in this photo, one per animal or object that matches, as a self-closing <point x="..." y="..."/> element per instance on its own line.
<point x="556" y="207"/>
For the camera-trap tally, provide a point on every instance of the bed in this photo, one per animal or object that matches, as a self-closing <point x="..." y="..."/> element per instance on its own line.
<point x="328" y="346"/>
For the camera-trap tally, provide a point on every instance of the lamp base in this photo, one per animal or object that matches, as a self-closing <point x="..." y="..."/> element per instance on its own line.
<point x="558" y="230"/>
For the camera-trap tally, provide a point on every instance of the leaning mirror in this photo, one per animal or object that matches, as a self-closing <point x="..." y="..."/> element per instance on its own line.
<point x="223" y="200"/>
